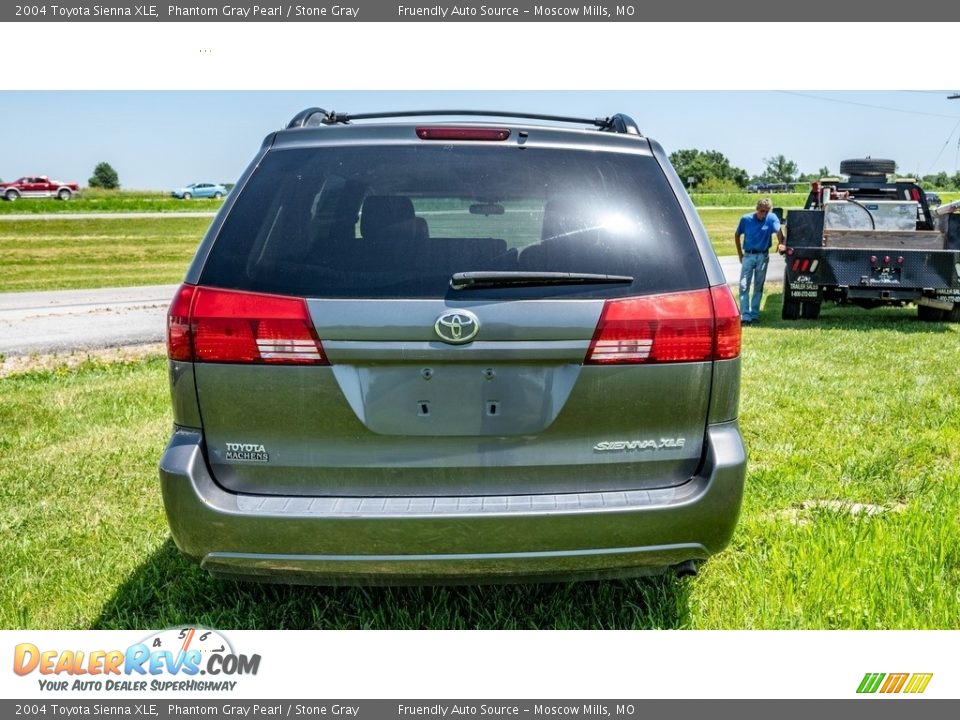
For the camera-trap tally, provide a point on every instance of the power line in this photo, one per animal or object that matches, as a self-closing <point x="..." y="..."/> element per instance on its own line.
<point x="949" y="138"/>
<point x="866" y="105"/>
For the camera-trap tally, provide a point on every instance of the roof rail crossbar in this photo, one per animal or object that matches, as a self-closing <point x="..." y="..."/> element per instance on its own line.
<point x="617" y="123"/>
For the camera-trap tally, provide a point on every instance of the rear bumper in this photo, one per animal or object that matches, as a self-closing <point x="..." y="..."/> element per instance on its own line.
<point x="450" y="539"/>
<point x="895" y="275"/>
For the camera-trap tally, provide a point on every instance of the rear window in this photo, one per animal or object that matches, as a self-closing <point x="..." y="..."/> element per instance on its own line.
<point x="399" y="221"/>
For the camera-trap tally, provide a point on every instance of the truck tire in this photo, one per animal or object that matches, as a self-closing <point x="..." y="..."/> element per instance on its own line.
<point x="931" y="314"/>
<point x="810" y="310"/>
<point x="867" y="166"/>
<point x="953" y="315"/>
<point x="64" y="194"/>
<point x="791" y="307"/>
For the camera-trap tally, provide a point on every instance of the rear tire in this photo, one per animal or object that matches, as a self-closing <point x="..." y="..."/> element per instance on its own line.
<point x="791" y="307"/>
<point x="932" y="314"/>
<point x="868" y="166"/>
<point x="11" y="195"/>
<point x="217" y="195"/>
<point x="953" y="315"/>
<point x="686" y="569"/>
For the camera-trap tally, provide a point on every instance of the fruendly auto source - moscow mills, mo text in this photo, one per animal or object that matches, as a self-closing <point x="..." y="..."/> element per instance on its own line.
<point x="319" y="12"/>
<point x="536" y="11"/>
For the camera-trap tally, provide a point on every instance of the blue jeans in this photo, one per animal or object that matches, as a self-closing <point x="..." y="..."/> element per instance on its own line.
<point x="753" y="270"/>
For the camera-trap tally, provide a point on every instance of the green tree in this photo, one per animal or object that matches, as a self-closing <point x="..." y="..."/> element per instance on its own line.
<point x="780" y="170"/>
<point x="104" y="176"/>
<point x="703" y="165"/>
<point x="808" y="177"/>
<point x="940" y="181"/>
<point x="814" y="176"/>
<point x="717" y="185"/>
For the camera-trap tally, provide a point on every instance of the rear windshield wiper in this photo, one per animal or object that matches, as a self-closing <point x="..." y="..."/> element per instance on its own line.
<point x="483" y="279"/>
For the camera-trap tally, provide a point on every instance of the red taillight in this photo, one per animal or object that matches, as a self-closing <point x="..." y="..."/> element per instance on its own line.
<point x="805" y="265"/>
<point x="179" y="346"/>
<point x="462" y="133"/>
<point x="679" y="327"/>
<point x="727" y="319"/>
<point x="228" y="326"/>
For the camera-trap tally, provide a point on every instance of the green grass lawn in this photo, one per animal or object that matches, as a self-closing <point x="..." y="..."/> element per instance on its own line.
<point x="851" y="516"/>
<point x="746" y="200"/>
<point x="720" y="224"/>
<point x="89" y="253"/>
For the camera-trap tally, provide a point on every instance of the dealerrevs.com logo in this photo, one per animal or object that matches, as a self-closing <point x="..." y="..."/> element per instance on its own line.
<point x="180" y="659"/>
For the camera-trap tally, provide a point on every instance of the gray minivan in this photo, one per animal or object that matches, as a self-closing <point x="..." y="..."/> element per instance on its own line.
<point x="419" y="350"/>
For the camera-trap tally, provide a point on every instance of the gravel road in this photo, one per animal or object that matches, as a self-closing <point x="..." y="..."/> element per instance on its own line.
<point x="66" y="320"/>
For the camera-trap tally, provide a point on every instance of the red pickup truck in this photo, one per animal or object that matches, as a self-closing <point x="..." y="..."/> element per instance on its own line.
<point x="37" y="186"/>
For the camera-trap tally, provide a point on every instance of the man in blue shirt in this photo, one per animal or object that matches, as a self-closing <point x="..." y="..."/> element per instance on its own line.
<point x="757" y="229"/>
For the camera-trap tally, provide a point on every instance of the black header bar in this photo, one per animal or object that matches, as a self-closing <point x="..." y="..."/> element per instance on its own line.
<point x="860" y="12"/>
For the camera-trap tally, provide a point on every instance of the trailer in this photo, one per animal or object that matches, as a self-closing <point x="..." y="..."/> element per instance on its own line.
<point x="872" y="241"/>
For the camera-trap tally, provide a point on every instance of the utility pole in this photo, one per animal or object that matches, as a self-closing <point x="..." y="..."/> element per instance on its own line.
<point x="954" y="97"/>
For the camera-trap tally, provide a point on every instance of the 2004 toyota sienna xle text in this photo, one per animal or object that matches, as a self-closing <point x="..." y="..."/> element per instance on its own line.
<point x="435" y="351"/>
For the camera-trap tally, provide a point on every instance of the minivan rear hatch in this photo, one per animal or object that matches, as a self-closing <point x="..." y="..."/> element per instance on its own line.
<point x="448" y="318"/>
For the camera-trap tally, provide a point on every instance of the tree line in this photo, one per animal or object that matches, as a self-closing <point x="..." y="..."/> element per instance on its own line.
<point x="941" y="181"/>
<point x="712" y="171"/>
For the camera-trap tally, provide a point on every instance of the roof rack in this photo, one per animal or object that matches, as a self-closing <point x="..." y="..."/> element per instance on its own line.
<point x="315" y="116"/>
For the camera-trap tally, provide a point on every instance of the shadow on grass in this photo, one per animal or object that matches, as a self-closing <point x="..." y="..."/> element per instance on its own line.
<point x="852" y="317"/>
<point x="168" y="590"/>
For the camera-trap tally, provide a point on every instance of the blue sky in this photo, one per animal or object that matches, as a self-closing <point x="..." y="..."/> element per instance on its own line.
<point x="163" y="139"/>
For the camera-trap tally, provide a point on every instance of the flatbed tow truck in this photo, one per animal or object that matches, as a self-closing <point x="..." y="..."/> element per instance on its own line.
<point x="872" y="241"/>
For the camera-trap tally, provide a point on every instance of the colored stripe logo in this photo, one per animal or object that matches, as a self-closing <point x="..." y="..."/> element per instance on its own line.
<point x="913" y="683"/>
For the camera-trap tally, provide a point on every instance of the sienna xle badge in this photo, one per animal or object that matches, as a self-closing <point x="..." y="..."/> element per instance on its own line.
<point x="420" y="351"/>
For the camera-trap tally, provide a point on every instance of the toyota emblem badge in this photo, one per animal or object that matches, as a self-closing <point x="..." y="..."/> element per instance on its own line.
<point x="457" y="327"/>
